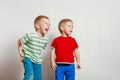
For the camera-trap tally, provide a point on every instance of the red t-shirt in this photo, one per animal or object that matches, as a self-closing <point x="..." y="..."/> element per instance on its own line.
<point x="64" y="49"/>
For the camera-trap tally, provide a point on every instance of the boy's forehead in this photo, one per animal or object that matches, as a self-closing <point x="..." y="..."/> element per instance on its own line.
<point x="44" y="20"/>
<point x="69" y="22"/>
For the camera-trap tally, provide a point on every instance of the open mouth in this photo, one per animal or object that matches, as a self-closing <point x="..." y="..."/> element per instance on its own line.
<point x="46" y="30"/>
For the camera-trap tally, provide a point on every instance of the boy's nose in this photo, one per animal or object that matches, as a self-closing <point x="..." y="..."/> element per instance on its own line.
<point x="48" y="25"/>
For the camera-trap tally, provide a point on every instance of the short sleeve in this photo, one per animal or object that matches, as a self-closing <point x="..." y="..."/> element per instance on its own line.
<point x="53" y="44"/>
<point x="46" y="42"/>
<point x="75" y="45"/>
<point x="25" y="38"/>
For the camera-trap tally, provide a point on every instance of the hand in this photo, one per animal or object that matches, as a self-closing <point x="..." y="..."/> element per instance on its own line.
<point x="78" y="66"/>
<point x="53" y="66"/>
<point x="21" y="59"/>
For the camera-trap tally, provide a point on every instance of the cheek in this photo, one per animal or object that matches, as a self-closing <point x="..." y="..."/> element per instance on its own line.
<point x="68" y="29"/>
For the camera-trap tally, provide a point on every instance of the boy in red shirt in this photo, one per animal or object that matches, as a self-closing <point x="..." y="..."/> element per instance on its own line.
<point x="64" y="49"/>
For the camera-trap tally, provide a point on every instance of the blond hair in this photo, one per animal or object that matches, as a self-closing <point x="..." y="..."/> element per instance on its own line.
<point x="62" y="23"/>
<point x="37" y="19"/>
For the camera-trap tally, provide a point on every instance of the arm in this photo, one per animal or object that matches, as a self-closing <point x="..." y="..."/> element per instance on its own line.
<point x="52" y="59"/>
<point x="77" y="56"/>
<point x="19" y="45"/>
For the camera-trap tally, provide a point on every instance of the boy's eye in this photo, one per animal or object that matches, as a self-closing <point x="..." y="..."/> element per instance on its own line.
<point x="69" y="26"/>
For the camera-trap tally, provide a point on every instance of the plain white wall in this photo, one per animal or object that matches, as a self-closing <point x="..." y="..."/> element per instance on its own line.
<point x="96" y="29"/>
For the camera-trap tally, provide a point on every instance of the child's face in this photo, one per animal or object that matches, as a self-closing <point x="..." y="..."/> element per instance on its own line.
<point x="68" y="28"/>
<point x="43" y="25"/>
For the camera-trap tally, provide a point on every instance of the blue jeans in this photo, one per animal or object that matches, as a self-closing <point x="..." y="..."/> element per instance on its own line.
<point x="32" y="71"/>
<point x="67" y="70"/>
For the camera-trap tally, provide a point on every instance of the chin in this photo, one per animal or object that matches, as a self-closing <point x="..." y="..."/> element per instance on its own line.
<point x="45" y="32"/>
<point x="69" y="34"/>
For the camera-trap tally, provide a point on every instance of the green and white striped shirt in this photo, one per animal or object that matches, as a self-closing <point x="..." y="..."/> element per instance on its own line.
<point x="32" y="46"/>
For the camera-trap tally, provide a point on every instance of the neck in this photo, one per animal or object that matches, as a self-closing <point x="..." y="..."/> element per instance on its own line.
<point x="65" y="35"/>
<point x="40" y="34"/>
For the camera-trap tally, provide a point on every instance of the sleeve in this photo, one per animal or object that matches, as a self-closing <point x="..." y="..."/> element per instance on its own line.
<point x="53" y="44"/>
<point x="25" y="38"/>
<point x="75" y="45"/>
<point x="45" y="43"/>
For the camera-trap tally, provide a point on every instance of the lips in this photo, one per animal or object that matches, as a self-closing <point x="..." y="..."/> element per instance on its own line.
<point x="46" y="30"/>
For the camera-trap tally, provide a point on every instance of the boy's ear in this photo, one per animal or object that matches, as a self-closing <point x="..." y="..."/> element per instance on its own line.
<point x="37" y="25"/>
<point x="61" y="28"/>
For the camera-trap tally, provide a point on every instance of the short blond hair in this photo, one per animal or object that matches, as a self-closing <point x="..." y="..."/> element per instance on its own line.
<point x="62" y="23"/>
<point x="37" y="19"/>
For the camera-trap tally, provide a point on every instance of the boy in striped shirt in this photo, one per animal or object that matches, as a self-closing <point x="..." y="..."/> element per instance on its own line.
<point x="30" y="47"/>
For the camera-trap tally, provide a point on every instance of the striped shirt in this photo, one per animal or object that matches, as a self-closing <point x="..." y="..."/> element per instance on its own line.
<point x="32" y="46"/>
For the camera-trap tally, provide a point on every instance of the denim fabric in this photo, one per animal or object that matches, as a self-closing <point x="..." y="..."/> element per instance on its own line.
<point x="32" y="71"/>
<point x="67" y="70"/>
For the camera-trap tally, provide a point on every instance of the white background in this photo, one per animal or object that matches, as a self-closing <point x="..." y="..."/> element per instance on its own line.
<point x="96" y="29"/>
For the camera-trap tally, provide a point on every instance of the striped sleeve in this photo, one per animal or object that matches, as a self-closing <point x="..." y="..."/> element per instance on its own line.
<point x="25" y="38"/>
<point x="46" y="42"/>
